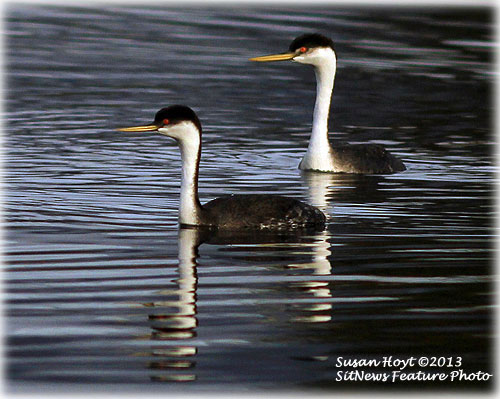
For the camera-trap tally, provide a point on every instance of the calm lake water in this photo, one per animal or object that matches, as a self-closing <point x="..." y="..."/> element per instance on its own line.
<point x="102" y="290"/>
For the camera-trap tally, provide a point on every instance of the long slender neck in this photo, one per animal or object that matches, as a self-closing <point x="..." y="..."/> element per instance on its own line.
<point x="190" y="207"/>
<point x="325" y="76"/>
<point x="318" y="155"/>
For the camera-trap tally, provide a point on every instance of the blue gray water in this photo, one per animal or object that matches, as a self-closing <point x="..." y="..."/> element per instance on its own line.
<point x="102" y="291"/>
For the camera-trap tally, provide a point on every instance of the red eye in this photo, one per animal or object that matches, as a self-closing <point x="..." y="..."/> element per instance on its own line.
<point x="303" y="49"/>
<point x="166" y="121"/>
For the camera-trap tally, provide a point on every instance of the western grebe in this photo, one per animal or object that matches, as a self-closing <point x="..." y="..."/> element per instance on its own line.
<point x="317" y="50"/>
<point x="253" y="211"/>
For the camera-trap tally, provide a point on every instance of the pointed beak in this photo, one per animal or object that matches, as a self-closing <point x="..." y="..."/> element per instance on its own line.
<point x="145" y="128"/>
<point x="274" y="57"/>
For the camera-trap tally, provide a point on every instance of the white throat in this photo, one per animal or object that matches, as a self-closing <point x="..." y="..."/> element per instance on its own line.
<point x="188" y="138"/>
<point x="318" y="155"/>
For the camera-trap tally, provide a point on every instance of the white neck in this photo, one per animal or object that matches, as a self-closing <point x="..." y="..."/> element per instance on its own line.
<point x="318" y="155"/>
<point x="188" y="208"/>
<point x="189" y="141"/>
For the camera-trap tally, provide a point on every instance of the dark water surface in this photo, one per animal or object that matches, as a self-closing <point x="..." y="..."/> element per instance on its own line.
<point x="103" y="291"/>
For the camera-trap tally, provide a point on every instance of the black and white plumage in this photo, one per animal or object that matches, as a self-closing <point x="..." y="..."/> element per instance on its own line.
<point x="233" y="212"/>
<point x="317" y="50"/>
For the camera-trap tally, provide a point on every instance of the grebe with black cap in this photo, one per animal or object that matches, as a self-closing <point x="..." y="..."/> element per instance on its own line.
<point x="317" y="50"/>
<point x="234" y="212"/>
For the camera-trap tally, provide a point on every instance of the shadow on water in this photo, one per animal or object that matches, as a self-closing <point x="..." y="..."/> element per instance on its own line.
<point x="174" y="322"/>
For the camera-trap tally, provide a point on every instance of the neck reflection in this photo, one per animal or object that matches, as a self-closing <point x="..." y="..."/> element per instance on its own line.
<point x="174" y="321"/>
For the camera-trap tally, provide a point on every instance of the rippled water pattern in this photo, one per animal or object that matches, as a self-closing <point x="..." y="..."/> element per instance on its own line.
<point x="102" y="290"/>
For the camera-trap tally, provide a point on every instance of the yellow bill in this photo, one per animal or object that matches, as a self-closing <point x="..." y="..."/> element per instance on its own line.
<point x="274" y="57"/>
<point x="145" y="128"/>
